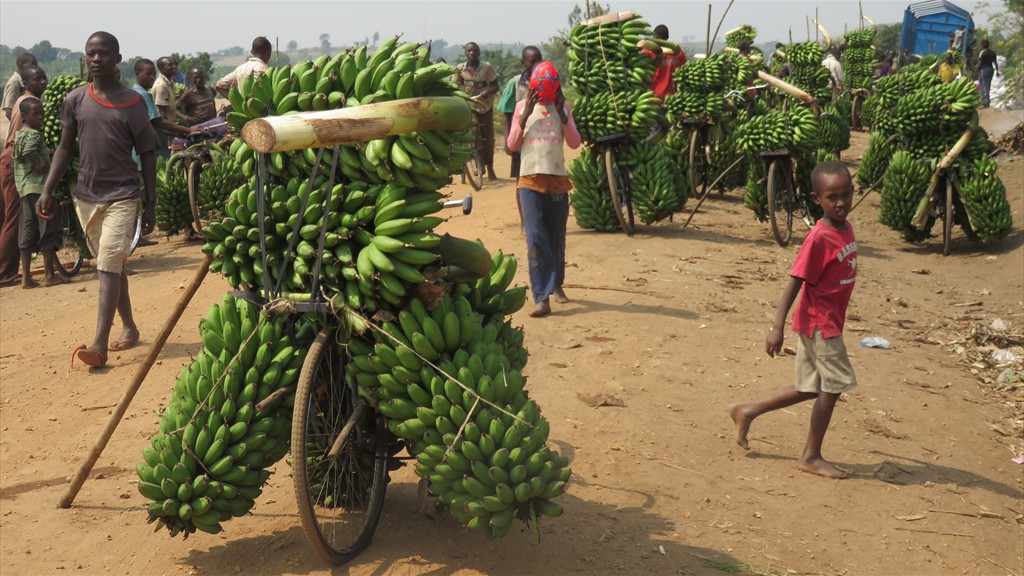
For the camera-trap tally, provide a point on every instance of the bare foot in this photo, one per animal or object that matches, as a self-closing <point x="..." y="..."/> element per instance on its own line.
<point x="26" y="284"/>
<point x="560" y="296"/>
<point x="742" y="421"/>
<point x="542" y="308"/>
<point x="54" y="280"/>
<point x="821" y="467"/>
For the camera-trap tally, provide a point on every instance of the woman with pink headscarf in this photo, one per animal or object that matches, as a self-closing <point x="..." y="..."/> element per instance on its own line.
<point x="541" y="125"/>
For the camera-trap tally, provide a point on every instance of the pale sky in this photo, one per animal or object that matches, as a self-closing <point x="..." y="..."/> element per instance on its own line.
<point x="148" y="27"/>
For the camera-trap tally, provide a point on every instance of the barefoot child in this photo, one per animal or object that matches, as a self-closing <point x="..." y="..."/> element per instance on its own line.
<point x="826" y="267"/>
<point x="31" y="165"/>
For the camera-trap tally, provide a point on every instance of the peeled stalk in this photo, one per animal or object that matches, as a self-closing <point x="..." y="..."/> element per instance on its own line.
<point x="356" y="124"/>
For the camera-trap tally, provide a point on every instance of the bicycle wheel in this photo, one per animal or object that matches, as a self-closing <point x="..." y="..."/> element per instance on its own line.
<point x="469" y="175"/>
<point x="698" y="163"/>
<point x="340" y="499"/>
<point x="780" y="194"/>
<point x="855" y="112"/>
<point x="619" y="190"/>
<point x="71" y="253"/>
<point x="138" y="232"/>
<point x="192" y="176"/>
<point x="947" y="219"/>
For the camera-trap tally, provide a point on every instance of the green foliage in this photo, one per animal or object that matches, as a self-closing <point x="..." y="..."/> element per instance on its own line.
<point x="201" y="60"/>
<point x="506" y="63"/>
<point x="888" y="37"/>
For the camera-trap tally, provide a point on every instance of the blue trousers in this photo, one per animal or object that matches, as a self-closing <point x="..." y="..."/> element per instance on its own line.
<point x="985" y="83"/>
<point x="545" y="217"/>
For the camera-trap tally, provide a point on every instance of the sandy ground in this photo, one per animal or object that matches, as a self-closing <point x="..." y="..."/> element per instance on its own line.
<point x="672" y="322"/>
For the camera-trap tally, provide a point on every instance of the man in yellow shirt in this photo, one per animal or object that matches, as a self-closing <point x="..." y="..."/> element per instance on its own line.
<point x="948" y="70"/>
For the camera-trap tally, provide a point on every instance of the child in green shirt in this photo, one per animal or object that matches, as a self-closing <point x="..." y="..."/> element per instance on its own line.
<point x="31" y="165"/>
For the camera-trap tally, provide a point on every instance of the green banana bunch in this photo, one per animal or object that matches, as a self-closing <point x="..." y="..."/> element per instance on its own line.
<point x="173" y="212"/>
<point x="591" y="202"/>
<point x="498" y="467"/>
<point x="858" y="58"/>
<point x="745" y="32"/>
<point x="906" y="181"/>
<point x="605" y="57"/>
<point x="795" y="129"/>
<point x="211" y="457"/>
<point x="984" y="198"/>
<point x="876" y="160"/>
<point x="804" y="167"/>
<point x="656" y="189"/>
<point x="834" y="128"/>
<point x="756" y="195"/>
<point x="57" y="90"/>
<point x="603" y="114"/>
<point x="376" y="243"/>
<point x="216" y="182"/>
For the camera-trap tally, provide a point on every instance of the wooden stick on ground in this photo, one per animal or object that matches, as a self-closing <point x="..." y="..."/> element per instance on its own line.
<point x="712" y="185"/>
<point x="133" y="387"/>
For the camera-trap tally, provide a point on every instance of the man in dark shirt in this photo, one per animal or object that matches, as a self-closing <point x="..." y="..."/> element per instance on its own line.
<point x="197" y="103"/>
<point x="108" y="120"/>
<point x="987" y="66"/>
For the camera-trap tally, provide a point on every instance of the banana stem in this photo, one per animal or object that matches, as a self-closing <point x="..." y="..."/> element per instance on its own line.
<point x="610" y="18"/>
<point x="356" y="124"/>
<point x="924" y="207"/>
<point x="828" y="39"/>
<point x="466" y="254"/>
<point x="786" y="87"/>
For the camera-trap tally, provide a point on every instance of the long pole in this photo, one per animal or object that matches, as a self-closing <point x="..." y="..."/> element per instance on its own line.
<point x="715" y="35"/>
<point x="816" y="21"/>
<point x="133" y="387"/>
<point x="707" y="41"/>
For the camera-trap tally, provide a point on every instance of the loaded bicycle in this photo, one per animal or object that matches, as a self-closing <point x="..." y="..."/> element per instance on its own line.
<point x="200" y="152"/>
<point x="784" y="197"/>
<point x="473" y="170"/>
<point x="618" y="178"/>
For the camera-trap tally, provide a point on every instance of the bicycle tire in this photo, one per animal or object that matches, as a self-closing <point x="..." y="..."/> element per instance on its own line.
<point x="855" y="112"/>
<point x="195" y="168"/>
<point x="70" y="255"/>
<point x="947" y="219"/>
<point x="779" y="201"/>
<point x="479" y="169"/>
<point x="698" y="163"/>
<point x="619" y="191"/>
<point x="468" y="176"/>
<point x="355" y="482"/>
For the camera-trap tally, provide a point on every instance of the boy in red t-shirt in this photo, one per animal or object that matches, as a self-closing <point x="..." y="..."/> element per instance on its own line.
<point x="826" y="268"/>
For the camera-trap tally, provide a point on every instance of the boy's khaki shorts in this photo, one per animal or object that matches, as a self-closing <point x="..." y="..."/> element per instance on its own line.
<point x="822" y="365"/>
<point x="109" y="229"/>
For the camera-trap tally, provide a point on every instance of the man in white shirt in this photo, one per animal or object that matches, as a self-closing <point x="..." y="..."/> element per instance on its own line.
<point x="14" y="87"/>
<point x="256" y="65"/>
<point x="835" y="69"/>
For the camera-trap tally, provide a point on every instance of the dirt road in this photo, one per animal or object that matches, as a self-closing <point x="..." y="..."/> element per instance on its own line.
<point x="672" y="322"/>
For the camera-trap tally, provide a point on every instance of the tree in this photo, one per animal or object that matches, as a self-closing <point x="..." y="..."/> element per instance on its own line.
<point x="201" y="60"/>
<point x="887" y="37"/>
<point x="44" y="52"/>
<point x="325" y="42"/>
<point x="376" y="38"/>
<point x="292" y="45"/>
<point x="505" y="63"/>
<point x="556" y="49"/>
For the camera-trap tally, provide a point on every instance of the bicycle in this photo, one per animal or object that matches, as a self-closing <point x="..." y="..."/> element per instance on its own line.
<point x="783" y="196"/>
<point x="473" y="169"/>
<point x="618" y="179"/>
<point x="699" y="154"/>
<point x="341" y="448"/>
<point x="857" y="98"/>
<point x="200" y="153"/>
<point x="945" y="203"/>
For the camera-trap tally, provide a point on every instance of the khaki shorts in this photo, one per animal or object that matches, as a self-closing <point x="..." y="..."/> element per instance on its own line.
<point x="822" y="365"/>
<point x="109" y="229"/>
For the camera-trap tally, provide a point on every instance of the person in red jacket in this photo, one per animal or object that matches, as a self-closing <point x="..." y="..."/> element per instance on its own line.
<point x="662" y="84"/>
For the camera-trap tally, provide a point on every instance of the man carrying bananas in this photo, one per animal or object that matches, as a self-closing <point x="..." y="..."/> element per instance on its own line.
<point x="256" y="65"/>
<point x="480" y="81"/>
<point x="540" y="126"/>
